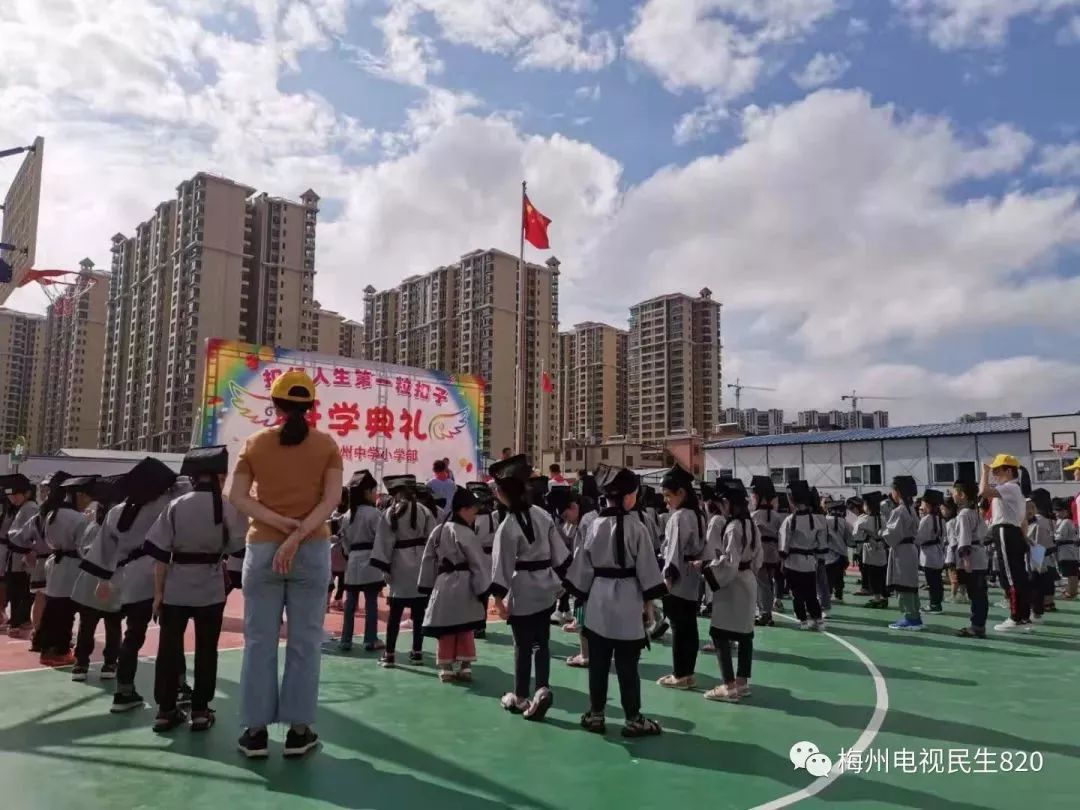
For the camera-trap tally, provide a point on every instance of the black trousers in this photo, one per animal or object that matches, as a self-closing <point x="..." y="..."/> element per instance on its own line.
<point x="169" y="669"/>
<point x="564" y="602"/>
<point x="835" y="573"/>
<point x="626" y="654"/>
<point x="137" y="617"/>
<point x="935" y="585"/>
<point x="532" y="648"/>
<point x="19" y="597"/>
<point x="804" y="594"/>
<point x="338" y="580"/>
<point x="393" y="624"/>
<point x="974" y="583"/>
<point x="781" y="581"/>
<point x="875" y="577"/>
<point x="88" y="623"/>
<point x="57" y="622"/>
<point x="1042" y="585"/>
<point x="1013" y="574"/>
<point x="682" y="615"/>
<point x="722" y="639"/>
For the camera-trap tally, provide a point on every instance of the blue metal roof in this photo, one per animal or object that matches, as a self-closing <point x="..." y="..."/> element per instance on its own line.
<point x="879" y="434"/>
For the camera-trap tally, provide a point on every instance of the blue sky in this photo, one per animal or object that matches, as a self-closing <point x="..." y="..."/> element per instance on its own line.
<point x="883" y="193"/>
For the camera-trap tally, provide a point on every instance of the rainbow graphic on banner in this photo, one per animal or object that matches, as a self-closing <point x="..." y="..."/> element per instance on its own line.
<point x="389" y="419"/>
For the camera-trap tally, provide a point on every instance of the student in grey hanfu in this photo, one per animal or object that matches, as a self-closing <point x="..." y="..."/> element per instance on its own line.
<point x="31" y="537"/>
<point x="834" y="563"/>
<point x="150" y="486"/>
<point x="1067" y="541"/>
<point x="930" y="538"/>
<point x="361" y="525"/>
<point x="455" y="575"/>
<point x="188" y="543"/>
<point x="729" y="564"/>
<point x="399" y="547"/>
<point x="527" y="562"/>
<point x="616" y="573"/>
<point x="972" y="559"/>
<point x="803" y="540"/>
<point x="899" y="534"/>
<point x="90" y="607"/>
<point x="20" y="536"/>
<point x="684" y="540"/>
<point x="768" y="520"/>
<point x="487" y="522"/>
<point x="63" y="529"/>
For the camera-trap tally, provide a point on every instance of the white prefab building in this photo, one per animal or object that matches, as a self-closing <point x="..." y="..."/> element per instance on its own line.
<point x="846" y="462"/>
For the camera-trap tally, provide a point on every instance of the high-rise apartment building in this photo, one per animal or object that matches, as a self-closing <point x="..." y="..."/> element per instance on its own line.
<point x="20" y="214"/>
<point x="462" y="318"/>
<point x="674" y="366"/>
<point x="334" y="334"/>
<point x="213" y="263"/>
<point x="22" y="377"/>
<point x="592" y="383"/>
<point x="847" y="420"/>
<point x="73" y="365"/>
<point x="754" y="422"/>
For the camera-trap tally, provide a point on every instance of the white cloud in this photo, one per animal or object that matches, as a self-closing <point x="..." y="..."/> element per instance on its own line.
<point x="954" y="24"/>
<point x="701" y="121"/>
<point x="536" y="33"/>
<point x="588" y="92"/>
<point x="857" y="27"/>
<point x="822" y="69"/>
<point x="1070" y="34"/>
<point x="1060" y="161"/>
<point x="716" y="45"/>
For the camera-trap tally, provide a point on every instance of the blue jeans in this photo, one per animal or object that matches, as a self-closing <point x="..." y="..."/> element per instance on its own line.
<point x="301" y="596"/>
<point x="371" y="616"/>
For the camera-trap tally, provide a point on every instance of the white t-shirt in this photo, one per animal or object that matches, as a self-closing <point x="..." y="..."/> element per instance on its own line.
<point x="1009" y="508"/>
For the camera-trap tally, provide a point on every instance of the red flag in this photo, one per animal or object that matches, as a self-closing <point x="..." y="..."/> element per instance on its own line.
<point x="535" y="225"/>
<point x="548" y="385"/>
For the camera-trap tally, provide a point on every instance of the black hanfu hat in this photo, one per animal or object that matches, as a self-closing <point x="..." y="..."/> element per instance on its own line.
<point x="677" y="478"/>
<point x="799" y="493"/>
<point x="934" y="497"/>
<point x="763" y="487"/>
<point x="212" y="460"/>
<point x="560" y="498"/>
<point x="617" y="482"/>
<point x="393" y="483"/>
<point x="518" y="467"/>
<point x="463" y="499"/>
<point x="362" y="480"/>
<point x="149" y="480"/>
<point x="482" y="491"/>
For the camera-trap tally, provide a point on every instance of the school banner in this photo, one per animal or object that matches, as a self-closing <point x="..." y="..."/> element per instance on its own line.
<point x="388" y="419"/>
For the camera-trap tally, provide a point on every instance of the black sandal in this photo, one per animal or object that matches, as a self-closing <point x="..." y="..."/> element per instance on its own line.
<point x="203" y="721"/>
<point x="539" y="705"/>
<point x="641" y="727"/>
<point x="167" y="721"/>
<point x="593" y="722"/>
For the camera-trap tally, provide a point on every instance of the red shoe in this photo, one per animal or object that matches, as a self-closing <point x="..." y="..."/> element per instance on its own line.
<point x="63" y="660"/>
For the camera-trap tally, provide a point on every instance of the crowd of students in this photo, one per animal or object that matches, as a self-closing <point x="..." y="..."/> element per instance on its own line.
<point x="632" y="563"/>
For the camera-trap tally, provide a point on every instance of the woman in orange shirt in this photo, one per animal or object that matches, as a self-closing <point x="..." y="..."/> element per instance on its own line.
<point x="297" y="475"/>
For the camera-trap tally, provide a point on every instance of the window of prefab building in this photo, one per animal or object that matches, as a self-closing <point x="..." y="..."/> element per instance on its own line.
<point x="856" y="474"/>
<point x="948" y="472"/>
<point x="782" y="475"/>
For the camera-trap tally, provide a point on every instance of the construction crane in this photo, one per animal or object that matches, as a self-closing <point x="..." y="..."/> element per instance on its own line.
<point x="738" y="386"/>
<point x="854" y="397"/>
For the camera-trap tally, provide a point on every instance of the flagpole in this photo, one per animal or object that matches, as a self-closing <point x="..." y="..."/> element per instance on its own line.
<point x="543" y="409"/>
<point x="520" y="429"/>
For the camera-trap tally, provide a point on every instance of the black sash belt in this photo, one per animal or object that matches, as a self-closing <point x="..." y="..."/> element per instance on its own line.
<point x="95" y="570"/>
<point x="418" y="542"/>
<point x="194" y="558"/>
<point x="447" y="567"/>
<point x="488" y="549"/>
<point x="58" y="555"/>
<point x="137" y="554"/>
<point x="770" y="539"/>
<point x="532" y="565"/>
<point x="744" y="566"/>
<point x="808" y="552"/>
<point x="615" y="573"/>
<point x="361" y="547"/>
<point x="931" y="543"/>
<point x="691" y="557"/>
<point x="907" y="541"/>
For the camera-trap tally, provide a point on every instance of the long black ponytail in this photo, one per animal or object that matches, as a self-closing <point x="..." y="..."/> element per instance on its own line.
<point x="295" y="428"/>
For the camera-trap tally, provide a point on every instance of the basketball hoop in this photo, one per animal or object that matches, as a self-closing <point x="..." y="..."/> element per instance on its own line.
<point x="64" y="297"/>
<point x="1063" y="449"/>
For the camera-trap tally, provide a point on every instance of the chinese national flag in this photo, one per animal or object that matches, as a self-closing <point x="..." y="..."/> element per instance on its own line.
<point x="545" y="381"/>
<point x="535" y="225"/>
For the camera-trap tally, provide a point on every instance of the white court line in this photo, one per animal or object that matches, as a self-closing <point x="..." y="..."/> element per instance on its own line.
<point x="881" y="707"/>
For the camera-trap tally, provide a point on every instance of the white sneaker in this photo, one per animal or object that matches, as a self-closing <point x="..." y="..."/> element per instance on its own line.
<point x="406" y="625"/>
<point x="820" y="623"/>
<point x="824" y="614"/>
<point x="1007" y="626"/>
<point x="807" y="625"/>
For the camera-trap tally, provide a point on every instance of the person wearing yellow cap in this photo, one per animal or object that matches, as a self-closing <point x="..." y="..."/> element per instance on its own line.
<point x="1001" y="485"/>
<point x="297" y="473"/>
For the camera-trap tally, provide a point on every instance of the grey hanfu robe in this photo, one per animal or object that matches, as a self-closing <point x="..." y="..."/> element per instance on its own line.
<point x="730" y="570"/>
<point x="899" y="534"/>
<point x="684" y="540"/>
<point x="455" y="575"/>
<point x="400" y="538"/>
<point x="527" y="561"/>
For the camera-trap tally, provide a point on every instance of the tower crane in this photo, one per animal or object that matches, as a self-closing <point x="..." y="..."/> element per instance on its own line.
<point x="854" y="397"/>
<point x="738" y="386"/>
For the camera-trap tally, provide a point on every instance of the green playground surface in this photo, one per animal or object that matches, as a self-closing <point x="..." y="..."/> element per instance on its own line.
<point x="401" y="739"/>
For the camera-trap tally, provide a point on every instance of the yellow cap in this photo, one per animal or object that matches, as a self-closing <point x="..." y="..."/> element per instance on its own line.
<point x="1074" y="466"/>
<point x="1004" y="460"/>
<point x="283" y="387"/>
